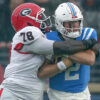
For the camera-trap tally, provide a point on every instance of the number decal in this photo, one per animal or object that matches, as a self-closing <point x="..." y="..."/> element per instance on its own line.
<point x="27" y="35"/>
<point x="23" y="34"/>
<point x="72" y="69"/>
<point x="30" y="36"/>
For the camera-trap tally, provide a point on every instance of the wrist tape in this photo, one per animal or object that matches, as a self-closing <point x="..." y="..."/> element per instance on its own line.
<point x="61" y="66"/>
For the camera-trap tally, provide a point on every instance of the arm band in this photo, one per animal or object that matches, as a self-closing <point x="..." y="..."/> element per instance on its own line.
<point x="61" y="66"/>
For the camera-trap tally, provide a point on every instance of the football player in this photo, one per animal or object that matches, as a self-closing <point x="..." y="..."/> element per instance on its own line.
<point x="30" y="48"/>
<point x="71" y="84"/>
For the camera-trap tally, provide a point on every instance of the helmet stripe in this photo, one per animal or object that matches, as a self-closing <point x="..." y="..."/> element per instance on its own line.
<point x="71" y="8"/>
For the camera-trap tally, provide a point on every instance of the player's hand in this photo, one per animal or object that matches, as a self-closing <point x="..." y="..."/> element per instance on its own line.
<point x="90" y="43"/>
<point x="96" y="49"/>
<point x="67" y="62"/>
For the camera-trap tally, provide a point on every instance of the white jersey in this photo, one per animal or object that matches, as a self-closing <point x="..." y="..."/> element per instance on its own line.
<point x="23" y="67"/>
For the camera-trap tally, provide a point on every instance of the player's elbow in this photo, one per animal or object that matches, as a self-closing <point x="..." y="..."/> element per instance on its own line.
<point x="40" y="76"/>
<point x="91" y="58"/>
<point x="91" y="62"/>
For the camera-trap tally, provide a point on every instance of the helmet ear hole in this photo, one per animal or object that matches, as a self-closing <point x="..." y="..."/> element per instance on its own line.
<point x="29" y="24"/>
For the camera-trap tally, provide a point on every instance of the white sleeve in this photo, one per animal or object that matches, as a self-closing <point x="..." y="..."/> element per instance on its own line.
<point x="31" y="34"/>
<point x="34" y="41"/>
<point x="40" y="46"/>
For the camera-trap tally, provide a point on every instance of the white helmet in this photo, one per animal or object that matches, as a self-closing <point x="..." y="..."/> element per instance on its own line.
<point x="66" y="12"/>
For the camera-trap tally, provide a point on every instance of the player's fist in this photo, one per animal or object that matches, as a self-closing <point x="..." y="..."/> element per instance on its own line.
<point x="89" y="43"/>
<point x="67" y="62"/>
<point x="96" y="49"/>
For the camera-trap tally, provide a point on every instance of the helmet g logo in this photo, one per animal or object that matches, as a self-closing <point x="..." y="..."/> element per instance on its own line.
<point x="25" y="12"/>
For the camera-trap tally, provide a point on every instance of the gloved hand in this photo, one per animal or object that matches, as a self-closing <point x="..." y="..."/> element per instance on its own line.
<point x="89" y="43"/>
<point x="96" y="49"/>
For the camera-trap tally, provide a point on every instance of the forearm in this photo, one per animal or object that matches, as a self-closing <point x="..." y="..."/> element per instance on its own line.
<point x="49" y="47"/>
<point x="48" y="71"/>
<point x="87" y="57"/>
<point x="72" y="46"/>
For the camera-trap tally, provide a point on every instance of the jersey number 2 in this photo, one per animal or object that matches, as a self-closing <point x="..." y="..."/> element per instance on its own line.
<point x="72" y="69"/>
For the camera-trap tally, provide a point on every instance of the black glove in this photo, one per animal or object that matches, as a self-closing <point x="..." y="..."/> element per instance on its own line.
<point x="96" y="49"/>
<point x="89" y="43"/>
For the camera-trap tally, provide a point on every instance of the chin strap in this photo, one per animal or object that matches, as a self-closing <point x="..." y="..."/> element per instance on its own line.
<point x="45" y="30"/>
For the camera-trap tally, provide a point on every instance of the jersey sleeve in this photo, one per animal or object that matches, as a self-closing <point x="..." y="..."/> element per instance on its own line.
<point x="38" y="43"/>
<point x="30" y="34"/>
<point x="94" y="34"/>
<point x="89" y="33"/>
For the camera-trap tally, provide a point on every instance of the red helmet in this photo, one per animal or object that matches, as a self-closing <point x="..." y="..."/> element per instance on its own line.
<point x="29" y="14"/>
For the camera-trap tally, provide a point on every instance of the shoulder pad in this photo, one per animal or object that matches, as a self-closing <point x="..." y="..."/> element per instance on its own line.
<point x="29" y="34"/>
